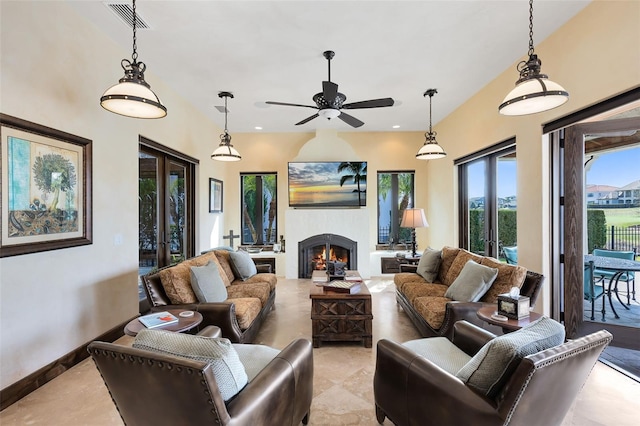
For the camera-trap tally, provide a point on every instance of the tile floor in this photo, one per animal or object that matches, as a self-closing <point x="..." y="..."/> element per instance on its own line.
<point x="343" y="392"/>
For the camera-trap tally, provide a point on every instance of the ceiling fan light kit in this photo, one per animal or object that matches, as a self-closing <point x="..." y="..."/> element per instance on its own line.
<point x="330" y="102"/>
<point x="534" y="92"/>
<point x="225" y="151"/>
<point x="132" y="96"/>
<point x="430" y="150"/>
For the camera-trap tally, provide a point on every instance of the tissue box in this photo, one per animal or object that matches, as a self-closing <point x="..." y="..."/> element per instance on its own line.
<point x="513" y="307"/>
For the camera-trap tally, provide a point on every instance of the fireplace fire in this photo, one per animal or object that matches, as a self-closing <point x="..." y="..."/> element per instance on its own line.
<point x="313" y="251"/>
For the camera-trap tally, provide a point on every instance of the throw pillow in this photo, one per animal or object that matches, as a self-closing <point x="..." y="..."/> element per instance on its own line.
<point x="472" y="283"/>
<point x="242" y="264"/>
<point x="207" y="283"/>
<point x="429" y="264"/>
<point x="508" y="276"/>
<point x="490" y="368"/>
<point x="458" y="263"/>
<point x="227" y="369"/>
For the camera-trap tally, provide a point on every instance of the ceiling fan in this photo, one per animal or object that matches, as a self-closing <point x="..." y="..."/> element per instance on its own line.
<point x="330" y="102"/>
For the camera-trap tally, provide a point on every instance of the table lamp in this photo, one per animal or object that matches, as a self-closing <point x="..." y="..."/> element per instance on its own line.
<point x="413" y="218"/>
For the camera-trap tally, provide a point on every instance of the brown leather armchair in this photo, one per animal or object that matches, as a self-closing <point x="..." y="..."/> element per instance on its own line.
<point x="155" y="389"/>
<point x="409" y="389"/>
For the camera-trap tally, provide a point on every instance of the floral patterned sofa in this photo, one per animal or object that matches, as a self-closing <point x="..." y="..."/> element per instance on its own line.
<point x="229" y="291"/>
<point x="426" y="302"/>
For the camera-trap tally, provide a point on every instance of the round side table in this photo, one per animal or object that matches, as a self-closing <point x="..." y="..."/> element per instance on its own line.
<point x="184" y="323"/>
<point x="510" y="324"/>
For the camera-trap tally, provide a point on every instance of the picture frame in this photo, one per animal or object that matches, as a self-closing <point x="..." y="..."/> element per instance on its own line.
<point x="215" y="195"/>
<point x="46" y="184"/>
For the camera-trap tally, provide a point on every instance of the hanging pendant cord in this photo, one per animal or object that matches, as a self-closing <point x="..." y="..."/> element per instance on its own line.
<point x="134" y="56"/>
<point x="530" y="27"/>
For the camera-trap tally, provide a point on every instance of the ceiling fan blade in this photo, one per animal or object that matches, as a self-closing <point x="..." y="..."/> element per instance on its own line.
<point x="306" y="120"/>
<point x="350" y="120"/>
<point x="329" y="91"/>
<point x="287" y="104"/>
<point x="373" y="103"/>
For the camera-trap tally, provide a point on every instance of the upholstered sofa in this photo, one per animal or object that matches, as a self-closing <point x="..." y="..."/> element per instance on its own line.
<point x="427" y="302"/>
<point x="227" y="289"/>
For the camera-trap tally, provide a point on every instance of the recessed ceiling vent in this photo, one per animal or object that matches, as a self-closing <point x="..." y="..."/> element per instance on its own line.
<point x="125" y="12"/>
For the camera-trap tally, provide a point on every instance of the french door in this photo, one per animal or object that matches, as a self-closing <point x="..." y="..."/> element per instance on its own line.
<point x="166" y="188"/>
<point x="579" y="148"/>
<point x="487" y="199"/>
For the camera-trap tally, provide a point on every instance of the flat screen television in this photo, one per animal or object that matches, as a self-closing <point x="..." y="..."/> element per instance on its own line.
<point x="327" y="184"/>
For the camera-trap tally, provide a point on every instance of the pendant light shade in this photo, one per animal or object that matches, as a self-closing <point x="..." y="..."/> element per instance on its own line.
<point x="430" y="150"/>
<point x="534" y="92"/>
<point x="225" y="151"/>
<point x="132" y="96"/>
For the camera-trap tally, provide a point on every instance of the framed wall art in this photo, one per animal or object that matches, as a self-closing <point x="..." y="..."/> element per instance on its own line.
<point x="215" y="195"/>
<point x="46" y="188"/>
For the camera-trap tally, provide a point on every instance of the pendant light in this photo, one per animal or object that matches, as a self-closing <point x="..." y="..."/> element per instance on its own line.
<point x="133" y="97"/>
<point x="225" y="151"/>
<point x="430" y="150"/>
<point x="534" y="92"/>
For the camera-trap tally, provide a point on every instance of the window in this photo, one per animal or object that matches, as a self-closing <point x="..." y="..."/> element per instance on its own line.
<point x="487" y="200"/>
<point x="395" y="194"/>
<point x="259" y="208"/>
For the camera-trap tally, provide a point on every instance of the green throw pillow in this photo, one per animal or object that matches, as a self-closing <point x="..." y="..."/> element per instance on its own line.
<point x="429" y="264"/>
<point x="227" y="369"/>
<point x="490" y="368"/>
<point x="207" y="283"/>
<point x="472" y="283"/>
<point x="242" y="264"/>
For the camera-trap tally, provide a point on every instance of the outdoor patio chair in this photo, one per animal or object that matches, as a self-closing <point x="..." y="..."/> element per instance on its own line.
<point x="628" y="277"/>
<point x="591" y="290"/>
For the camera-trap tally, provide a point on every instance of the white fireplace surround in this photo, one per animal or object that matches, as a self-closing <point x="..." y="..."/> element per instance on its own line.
<point x="301" y="224"/>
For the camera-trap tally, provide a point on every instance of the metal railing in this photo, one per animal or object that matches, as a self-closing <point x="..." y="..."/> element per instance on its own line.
<point x="623" y="239"/>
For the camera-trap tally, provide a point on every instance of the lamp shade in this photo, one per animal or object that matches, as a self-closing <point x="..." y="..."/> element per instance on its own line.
<point x="532" y="96"/>
<point x="414" y="218"/>
<point x="133" y="99"/>
<point x="430" y="151"/>
<point x="226" y="153"/>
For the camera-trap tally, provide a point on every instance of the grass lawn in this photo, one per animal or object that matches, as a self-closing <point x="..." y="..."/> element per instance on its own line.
<point x="622" y="217"/>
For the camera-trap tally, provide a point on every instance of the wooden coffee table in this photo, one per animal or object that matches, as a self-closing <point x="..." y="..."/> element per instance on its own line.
<point x="184" y="324"/>
<point x="340" y="316"/>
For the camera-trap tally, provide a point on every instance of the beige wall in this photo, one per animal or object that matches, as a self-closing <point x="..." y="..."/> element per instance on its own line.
<point x="53" y="302"/>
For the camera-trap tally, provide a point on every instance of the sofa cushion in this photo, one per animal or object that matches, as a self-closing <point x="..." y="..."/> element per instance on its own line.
<point x="402" y="278"/>
<point x="441" y="352"/>
<point x="472" y="283"/>
<point x="224" y="258"/>
<point x="458" y="263"/>
<point x="489" y="369"/>
<point x="429" y="264"/>
<point x="421" y="289"/>
<point x="247" y="310"/>
<point x="255" y="358"/>
<point x="432" y="309"/>
<point x="508" y="276"/>
<point x="242" y="265"/>
<point x="258" y="290"/>
<point x="448" y="256"/>
<point x="207" y="283"/>
<point x="176" y="282"/>
<point x="227" y="369"/>
<point x="263" y="277"/>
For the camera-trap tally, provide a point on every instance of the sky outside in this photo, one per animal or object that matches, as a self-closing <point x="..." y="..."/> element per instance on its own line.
<point x="617" y="169"/>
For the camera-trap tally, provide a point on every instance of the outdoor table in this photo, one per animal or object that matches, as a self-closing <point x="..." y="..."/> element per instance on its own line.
<point x="619" y="266"/>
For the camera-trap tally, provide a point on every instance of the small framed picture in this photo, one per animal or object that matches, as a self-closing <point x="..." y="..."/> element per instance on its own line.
<point x="215" y="195"/>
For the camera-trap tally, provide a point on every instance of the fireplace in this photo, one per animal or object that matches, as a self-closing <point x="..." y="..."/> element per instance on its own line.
<point x="317" y="250"/>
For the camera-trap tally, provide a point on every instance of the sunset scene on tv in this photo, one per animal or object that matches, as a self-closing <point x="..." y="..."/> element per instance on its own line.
<point x="327" y="184"/>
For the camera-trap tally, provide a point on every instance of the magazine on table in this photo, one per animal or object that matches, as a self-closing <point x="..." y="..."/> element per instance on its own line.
<point x="158" y="319"/>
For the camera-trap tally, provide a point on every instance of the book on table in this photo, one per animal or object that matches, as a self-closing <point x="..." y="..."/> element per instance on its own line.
<point x="158" y="319"/>
<point x="352" y="276"/>
<point x="350" y="287"/>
